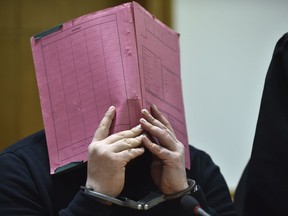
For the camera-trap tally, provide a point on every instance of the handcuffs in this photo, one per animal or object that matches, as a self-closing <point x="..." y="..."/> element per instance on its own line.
<point x="149" y="201"/>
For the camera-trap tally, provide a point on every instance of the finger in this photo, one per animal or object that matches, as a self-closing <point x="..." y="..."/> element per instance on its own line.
<point x="164" y="135"/>
<point x="158" y="115"/>
<point x="126" y="144"/>
<point x="103" y="129"/>
<point x="150" y="118"/>
<point x="129" y="154"/>
<point x="157" y="123"/>
<point x="134" y="132"/>
<point x="155" y="149"/>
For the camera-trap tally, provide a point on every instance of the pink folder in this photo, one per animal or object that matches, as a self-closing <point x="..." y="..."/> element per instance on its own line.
<point x="121" y="56"/>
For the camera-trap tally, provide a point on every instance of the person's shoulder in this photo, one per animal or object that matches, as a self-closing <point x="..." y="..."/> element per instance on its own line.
<point x="197" y="153"/>
<point x="203" y="169"/>
<point x="201" y="160"/>
<point x="33" y="143"/>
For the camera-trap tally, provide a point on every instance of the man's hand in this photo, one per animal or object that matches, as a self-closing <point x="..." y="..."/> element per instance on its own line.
<point x="108" y="156"/>
<point x="168" y="167"/>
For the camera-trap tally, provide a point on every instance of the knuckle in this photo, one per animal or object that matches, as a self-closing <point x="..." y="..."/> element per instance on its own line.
<point x="102" y="126"/>
<point x="127" y="141"/>
<point x="97" y="149"/>
<point x="134" y="132"/>
<point x="152" y="119"/>
<point x="165" y="133"/>
<point x="122" y="135"/>
<point x="159" y="148"/>
<point x="130" y="142"/>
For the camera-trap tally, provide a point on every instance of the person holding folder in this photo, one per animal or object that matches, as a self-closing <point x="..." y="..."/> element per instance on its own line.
<point x="140" y="171"/>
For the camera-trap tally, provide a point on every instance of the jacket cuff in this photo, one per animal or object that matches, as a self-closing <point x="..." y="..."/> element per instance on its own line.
<point x="85" y="205"/>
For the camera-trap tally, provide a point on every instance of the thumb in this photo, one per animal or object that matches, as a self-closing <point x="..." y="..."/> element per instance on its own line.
<point x="103" y="129"/>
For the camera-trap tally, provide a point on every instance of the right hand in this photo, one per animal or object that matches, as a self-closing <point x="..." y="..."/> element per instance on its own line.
<point x="109" y="155"/>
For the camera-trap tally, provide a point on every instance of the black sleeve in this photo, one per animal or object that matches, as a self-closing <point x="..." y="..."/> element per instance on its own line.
<point x="22" y="194"/>
<point x="213" y="193"/>
<point x="18" y="193"/>
<point x="84" y="205"/>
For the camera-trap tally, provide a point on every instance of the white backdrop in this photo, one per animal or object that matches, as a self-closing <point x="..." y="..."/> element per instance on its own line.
<point x="226" y="48"/>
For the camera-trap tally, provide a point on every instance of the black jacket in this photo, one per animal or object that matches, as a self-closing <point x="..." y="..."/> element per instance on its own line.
<point x="263" y="188"/>
<point x="27" y="188"/>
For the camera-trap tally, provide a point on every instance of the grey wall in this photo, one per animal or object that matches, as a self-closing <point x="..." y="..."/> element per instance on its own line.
<point x="226" y="48"/>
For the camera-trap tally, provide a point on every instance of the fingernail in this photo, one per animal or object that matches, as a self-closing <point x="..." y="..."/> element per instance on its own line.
<point x="143" y="120"/>
<point x="111" y="108"/>
<point x="145" y="111"/>
<point x="155" y="107"/>
<point x="138" y="127"/>
<point x="143" y="136"/>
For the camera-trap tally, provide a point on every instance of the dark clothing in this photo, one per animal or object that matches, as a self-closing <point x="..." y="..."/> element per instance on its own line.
<point x="28" y="188"/>
<point x="263" y="189"/>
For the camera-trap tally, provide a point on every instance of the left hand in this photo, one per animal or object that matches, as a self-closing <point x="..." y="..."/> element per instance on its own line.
<point x="108" y="156"/>
<point x="168" y="167"/>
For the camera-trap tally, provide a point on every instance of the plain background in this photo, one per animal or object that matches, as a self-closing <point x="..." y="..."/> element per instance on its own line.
<point x="226" y="49"/>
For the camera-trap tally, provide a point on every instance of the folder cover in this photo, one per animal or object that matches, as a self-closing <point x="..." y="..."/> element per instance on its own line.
<point x="121" y="56"/>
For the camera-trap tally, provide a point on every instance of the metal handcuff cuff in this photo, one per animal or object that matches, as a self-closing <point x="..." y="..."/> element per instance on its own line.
<point x="152" y="199"/>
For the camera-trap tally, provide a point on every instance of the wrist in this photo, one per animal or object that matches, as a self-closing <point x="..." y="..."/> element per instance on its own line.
<point x="187" y="190"/>
<point x="99" y="188"/>
<point x="99" y="197"/>
<point x="152" y="199"/>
